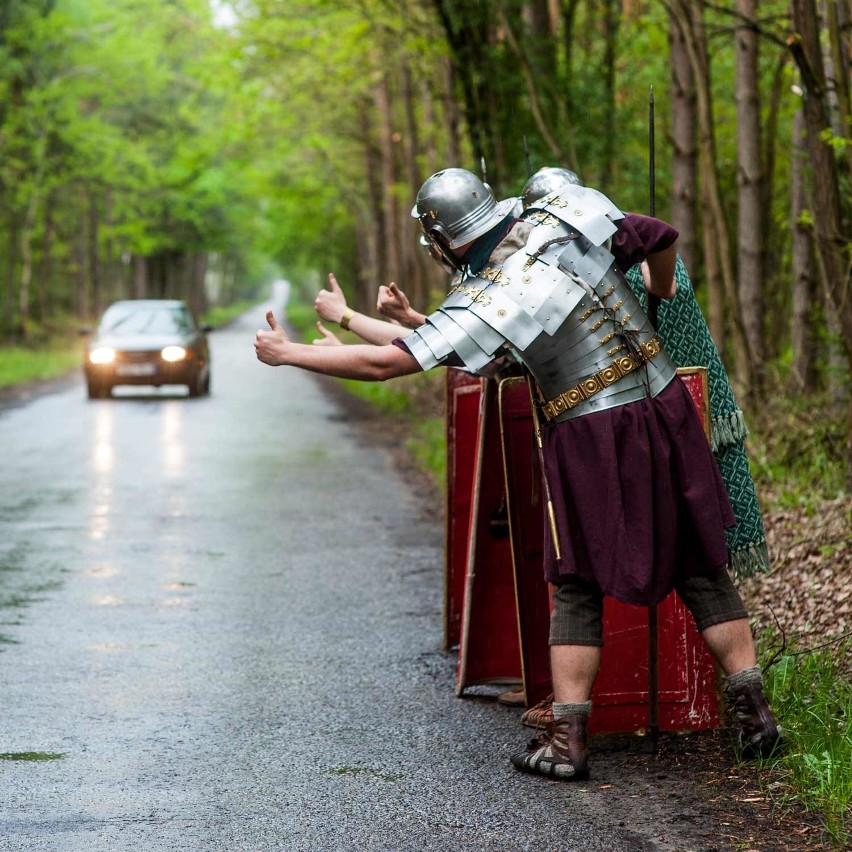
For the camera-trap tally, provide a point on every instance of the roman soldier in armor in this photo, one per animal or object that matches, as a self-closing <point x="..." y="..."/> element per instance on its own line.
<point x="640" y="506"/>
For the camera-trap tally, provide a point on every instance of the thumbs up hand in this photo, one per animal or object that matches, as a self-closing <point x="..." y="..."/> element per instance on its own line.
<point x="330" y="304"/>
<point x="329" y="338"/>
<point x="271" y="346"/>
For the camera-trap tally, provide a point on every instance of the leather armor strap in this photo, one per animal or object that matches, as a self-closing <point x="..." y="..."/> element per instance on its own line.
<point x="609" y="375"/>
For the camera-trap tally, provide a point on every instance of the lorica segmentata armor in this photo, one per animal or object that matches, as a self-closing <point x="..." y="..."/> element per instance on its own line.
<point x="565" y="308"/>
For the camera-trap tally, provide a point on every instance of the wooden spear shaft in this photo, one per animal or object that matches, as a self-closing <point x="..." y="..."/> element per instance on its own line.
<point x="653" y="623"/>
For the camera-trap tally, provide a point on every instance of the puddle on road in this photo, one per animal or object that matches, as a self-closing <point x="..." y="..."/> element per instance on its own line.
<point x="27" y="576"/>
<point x="31" y="755"/>
<point x="26" y="596"/>
<point x="14" y="559"/>
<point x="20" y="509"/>
<point x="363" y="770"/>
<point x="48" y="586"/>
<point x="15" y="601"/>
<point x="122" y="646"/>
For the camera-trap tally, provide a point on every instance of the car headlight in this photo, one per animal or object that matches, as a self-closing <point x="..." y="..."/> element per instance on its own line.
<point x="173" y="353"/>
<point x="102" y="355"/>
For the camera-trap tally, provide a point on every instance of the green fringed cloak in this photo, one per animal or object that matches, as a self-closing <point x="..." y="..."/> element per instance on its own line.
<point x="685" y="334"/>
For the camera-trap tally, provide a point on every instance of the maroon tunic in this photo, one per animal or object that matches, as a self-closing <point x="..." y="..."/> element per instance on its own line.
<point x="638" y="498"/>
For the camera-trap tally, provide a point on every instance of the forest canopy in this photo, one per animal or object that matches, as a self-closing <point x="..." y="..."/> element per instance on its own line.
<point x="200" y="148"/>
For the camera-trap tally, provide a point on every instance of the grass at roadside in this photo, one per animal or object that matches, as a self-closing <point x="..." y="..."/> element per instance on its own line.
<point x="220" y="315"/>
<point x="811" y="694"/>
<point x="796" y="449"/>
<point x="797" y="454"/>
<point x="20" y="364"/>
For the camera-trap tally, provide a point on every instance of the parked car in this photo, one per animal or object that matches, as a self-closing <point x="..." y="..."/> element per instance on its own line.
<point x="147" y="342"/>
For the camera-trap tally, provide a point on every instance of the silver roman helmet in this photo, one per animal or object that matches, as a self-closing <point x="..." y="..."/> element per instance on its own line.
<point x="545" y="181"/>
<point x="454" y="207"/>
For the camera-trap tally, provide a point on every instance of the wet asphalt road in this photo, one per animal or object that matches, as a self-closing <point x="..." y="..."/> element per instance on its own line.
<point x="220" y="627"/>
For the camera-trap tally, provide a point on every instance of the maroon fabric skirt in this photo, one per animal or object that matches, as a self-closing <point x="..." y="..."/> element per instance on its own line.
<point x="639" y="500"/>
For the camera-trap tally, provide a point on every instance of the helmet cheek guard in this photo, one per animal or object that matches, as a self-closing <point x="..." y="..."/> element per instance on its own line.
<point x="436" y="237"/>
<point x="439" y="241"/>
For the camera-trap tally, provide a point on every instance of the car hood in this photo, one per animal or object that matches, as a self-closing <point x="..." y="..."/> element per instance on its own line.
<point x="140" y="342"/>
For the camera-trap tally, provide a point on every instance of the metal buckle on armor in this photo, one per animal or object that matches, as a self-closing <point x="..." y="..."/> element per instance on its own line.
<point x="591" y="385"/>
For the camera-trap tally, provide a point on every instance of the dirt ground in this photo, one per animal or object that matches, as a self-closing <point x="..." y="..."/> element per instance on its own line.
<point x="693" y="780"/>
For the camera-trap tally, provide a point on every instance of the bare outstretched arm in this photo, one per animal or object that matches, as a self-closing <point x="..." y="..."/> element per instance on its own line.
<point x="365" y="362"/>
<point x="331" y="306"/>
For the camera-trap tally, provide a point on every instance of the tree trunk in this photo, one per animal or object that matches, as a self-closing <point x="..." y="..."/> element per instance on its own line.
<point x="111" y="266"/>
<point x="713" y="272"/>
<point x="689" y="17"/>
<point x="838" y="21"/>
<point x="750" y="219"/>
<point x="465" y="26"/>
<point x="411" y="250"/>
<point x="387" y="137"/>
<point x="45" y="269"/>
<point x="371" y="267"/>
<point x="140" y="276"/>
<point x="776" y="295"/>
<point x="26" y="234"/>
<point x="568" y="9"/>
<point x="452" y="118"/>
<point x="429" y="122"/>
<point x="684" y="155"/>
<point x="94" y="256"/>
<point x="229" y="278"/>
<point x="541" y="29"/>
<point x="81" y="278"/>
<point x="11" y="262"/>
<point x="534" y="94"/>
<point x="830" y="229"/>
<point x="176" y="277"/>
<point x="609" y="134"/>
<point x="803" y="374"/>
<point x="197" y="294"/>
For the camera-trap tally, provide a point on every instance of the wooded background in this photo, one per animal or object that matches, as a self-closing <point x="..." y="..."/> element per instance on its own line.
<point x="198" y="149"/>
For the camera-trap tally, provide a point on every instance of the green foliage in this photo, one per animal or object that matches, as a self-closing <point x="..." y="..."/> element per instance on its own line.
<point x="388" y="397"/>
<point x="428" y="447"/>
<point x="303" y="318"/>
<point x="811" y="693"/>
<point x="222" y="314"/>
<point x="20" y="364"/>
<point x="126" y="117"/>
<point x="796" y="450"/>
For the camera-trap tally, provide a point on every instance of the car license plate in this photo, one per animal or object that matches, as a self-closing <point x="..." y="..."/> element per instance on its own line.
<point x="136" y="369"/>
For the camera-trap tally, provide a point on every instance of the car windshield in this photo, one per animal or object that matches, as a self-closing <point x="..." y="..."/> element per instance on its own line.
<point x="153" y="319"/>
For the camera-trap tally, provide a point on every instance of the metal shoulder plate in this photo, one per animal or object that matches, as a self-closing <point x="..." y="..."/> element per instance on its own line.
<point x="514" y="302"/>
<point x="585" y="209"/>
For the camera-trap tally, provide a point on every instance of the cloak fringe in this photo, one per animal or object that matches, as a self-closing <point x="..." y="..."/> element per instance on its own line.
<point x="751" y="560"/>
<point x="727" y="429"/>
